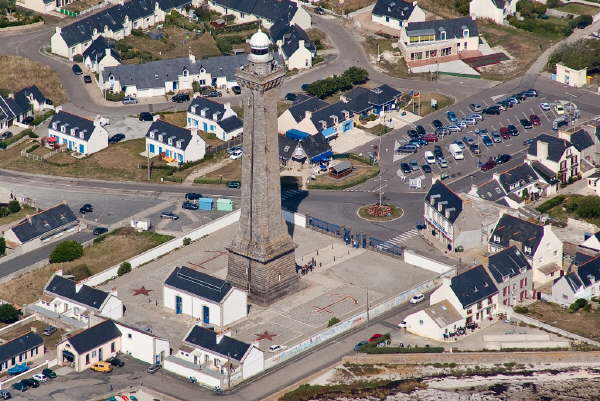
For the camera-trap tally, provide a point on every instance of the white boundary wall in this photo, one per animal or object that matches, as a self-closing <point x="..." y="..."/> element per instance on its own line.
<point x="547" y="327"/>
<point x="412" y="258"/>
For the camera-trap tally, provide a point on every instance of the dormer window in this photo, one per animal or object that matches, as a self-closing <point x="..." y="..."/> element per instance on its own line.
<point x="496" y="238"/>
<point x="170" y="141"/>
<point x="63" y="129"/>
<point x="55" y="125"/>
<point x="186" y="72"/>
<point x="202" y="70"/>
<point x="443" y="35"/>
<point x="466" y="33"/>
<point x="527" y="249"/>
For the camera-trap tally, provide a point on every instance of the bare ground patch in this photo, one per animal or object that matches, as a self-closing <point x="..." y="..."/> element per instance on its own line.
<point x="18" y="72"/>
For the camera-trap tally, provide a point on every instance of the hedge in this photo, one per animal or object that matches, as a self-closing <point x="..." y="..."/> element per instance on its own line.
<point x="204" y="180"/>
<point x="399" y="350"/>
<point x="551" y="203"/>
<point x="4" y="144"/>
<point x="347" y="184"/>
<point x="66" y="251"/>
<point x="37" y="120"/>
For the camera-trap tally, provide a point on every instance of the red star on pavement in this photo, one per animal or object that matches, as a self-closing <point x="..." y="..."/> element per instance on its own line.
<point x="142" y="291"/>
<point x="265" y="336"/>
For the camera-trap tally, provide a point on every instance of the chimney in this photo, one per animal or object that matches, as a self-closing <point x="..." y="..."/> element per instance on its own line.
<point x="192" y="58"/>
<point x="440" y="204"/>
<point x="113" y="291"/>
<point x="307" y="114"/>
<point x="78" y="287"/>
<point x="33" y="329"/>
<point x="215" y="116"/>
<point x="300" y="44"/>
<point x="227" y="105"/>
<point x="542" y="150"/>
<point x="107" y="51"/>
<point x="58" y="29"/>
<point x="448" y="211"/>
<point x="194" y="131"/>
<point x="156" y="117"/>
<point x="432" y="198"/>
<point x="58" y="109"/>
<point x="496" y="176"/>
<point x="59" y="272"/>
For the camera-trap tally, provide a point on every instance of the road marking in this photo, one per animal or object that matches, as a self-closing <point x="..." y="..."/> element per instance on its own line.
<point x="401" y="238"/>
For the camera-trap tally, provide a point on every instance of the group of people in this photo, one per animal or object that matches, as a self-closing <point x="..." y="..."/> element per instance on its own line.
<point x="460" y="331"/>
<point x="306" y="268"/>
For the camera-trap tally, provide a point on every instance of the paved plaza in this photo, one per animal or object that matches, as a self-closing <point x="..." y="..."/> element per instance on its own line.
<point x="337" y="287"/>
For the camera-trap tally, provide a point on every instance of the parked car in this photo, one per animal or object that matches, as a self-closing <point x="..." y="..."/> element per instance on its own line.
<point x="145" y="116"/>
<point x="277" y="348"/>
<point x="234" y="184"/>
<point x="402" y="324"/>
<point x="417" y="298"/>
<point x="437" y="124"/>
<point x="291" y="97"/>
<point x="468" y="140"/>
<point x="305" y="87"/>
<point x="451" y="116"/>
<point x="375" y="337"/>
<point x="153" y="368"/>
<point x="116" y="138"/>
<point x="442" y="131"/>
<point x="530" y="93"/>
<point x="412" y="133"/>
<point x="504" y="104"/>
<point x="192" y="196"/>
<point x="180" y="98"/>
<point x="475" y="149"/>
<point x="461" y="124"/>
<point x="102" y="366"/>
<point x="503" y="158"/>
<point x="460" y="144"/>
<point x="487" y="141"/>
<point x="214" y="94"/>
<point x="430" y="138"/>
<point x="20" y="386"/>
<point x="48" y="331"/>
<point x="87" y="79"/>
<point x="492" y="110"/>
<point x="420" y="130"/>
<point x="545" y="106"/>
<point x="454" y="128"/>
<point x="87" y="208"/>
<point x="77" y="69"/>
<point x="408" y="149"/>
<point x="189" y="206"/>
<point x="236" y="90"/>
<point x="6" y="135"/>
<point x="405" y="168"/>
<point x="475" y="107"/>
<point x="490" y="164"/>
<point x="442" y="162"/>
<point x="426" y="168"/>
<point x="49" y="373"/>
<point x="360" y="344"/>
<point x="535" y="120"/>
<point x="99" y="230"/>
<point x="496" y="137"/>
<point x="429" y="157"/>
<point x="40" y="377"/>
<point x="560" y="109"/>
<point x="481" y="131"/>
<point x="414" y="165"/>
<point x="129" y="100"/>
<point x="28" y="120"/>
<point x="437" y="151"/>
<point x="526" y="123"/>
<point x="168" y="215"/>
<point x="470" y="121"/>
<point x="236" y="154"/>
<point x="512" y="130"/>
<point x="319" y="10"/>
<point x="477" y="116"/>
<point x="114" y="361"/>
<point x="5" y="395"/>
<point x="31" y="383"/>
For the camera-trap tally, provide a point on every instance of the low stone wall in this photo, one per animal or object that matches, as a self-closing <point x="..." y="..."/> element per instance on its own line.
<point x="21" y="27"/>
<point x="18" y="324"/>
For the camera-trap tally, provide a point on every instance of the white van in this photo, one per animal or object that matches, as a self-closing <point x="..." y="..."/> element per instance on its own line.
<point x="456" y="151"/>
<point x="429" y="158"/>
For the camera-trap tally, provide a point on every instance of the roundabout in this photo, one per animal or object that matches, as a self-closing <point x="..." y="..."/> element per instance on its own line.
<point x="380" y="213"/>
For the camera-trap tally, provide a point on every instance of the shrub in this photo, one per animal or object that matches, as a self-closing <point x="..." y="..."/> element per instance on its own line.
<point x="9" y="314"/>
<point x="399" y="350"/>
<point x="588" y="207"/>
<point x="196" y="86"/>
<point x="187" y="241"/>
<point x="37" y="120"/>
<point x="578" y="304"/>
<point x="582" y="21"/>
<point x="124" y="268"/>
<point x="78" y="58"/>
<point x="32" y="147"/>
<point x="80" y="272"/>
<point x="551" y="203"/>
<point x="521" y="309"/>
<point x="14" y="206"/>
<point x="99" y="239"/>
<point x="2" y="246"/>
<point x="587" y="307"/>
<point x="138" y="32"/>
<point x="4" y="212"/>
<point x="114" y="96"/>
<point x="333" y="321"/>
<point x="66" y="251"/>
<point x="328" y="86"/>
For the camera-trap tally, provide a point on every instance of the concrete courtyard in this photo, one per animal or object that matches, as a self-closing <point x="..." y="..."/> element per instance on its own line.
<point x="338" y="287"/>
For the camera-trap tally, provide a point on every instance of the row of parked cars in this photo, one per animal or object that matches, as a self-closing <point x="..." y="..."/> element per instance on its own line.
<point x="510" y="101"/>
<point x="32" y="382"/>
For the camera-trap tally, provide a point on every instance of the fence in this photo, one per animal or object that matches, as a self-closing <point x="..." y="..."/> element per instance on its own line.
<point x="350" y="323"/>
<point x="17" y="324"/>
<point x="6" y="383"/>
<point x="547" y="327"/>
<point x="235" y="141"/>
<point x="386" y="247"/>
<point x="324" y="226"/>
<point x="45" y="157"/>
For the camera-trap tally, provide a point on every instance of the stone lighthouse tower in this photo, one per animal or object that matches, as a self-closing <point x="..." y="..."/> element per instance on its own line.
<point x="261" y="255"/>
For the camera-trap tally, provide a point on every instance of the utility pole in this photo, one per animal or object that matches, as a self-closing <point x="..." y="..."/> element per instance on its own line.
<point x="367" y="304"/>
<point x="380" y="172"/>
<point x="148" y="161"/>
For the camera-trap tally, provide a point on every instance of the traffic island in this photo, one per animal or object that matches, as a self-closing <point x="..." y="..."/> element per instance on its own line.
<point x="377" y="212"/>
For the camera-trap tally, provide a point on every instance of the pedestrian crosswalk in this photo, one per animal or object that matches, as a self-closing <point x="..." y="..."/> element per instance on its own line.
<point x="401" y="238"/>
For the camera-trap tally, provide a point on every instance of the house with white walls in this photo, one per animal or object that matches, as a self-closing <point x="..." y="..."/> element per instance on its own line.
<point x="493" y="10"/>
<point x="78" y="134"/>
<point x="266" y="11"/>
<point x="143" y="345"/>
<point x="294" y="45"/>
<point x="214" y="118"/>
<point x="174" y="143"/>
<point x="556" y="154"/>
<point x="538" y="243"/>
<point x="212" y="301"/>
<point x="79" y="301"/>
<point x="582" y="283"/>
<point x="23" y="349"/>
<point x="570" y="76"/>
<point x="436" y="321"/>
<point x="100" y="55"/>
<point x="396" y="13"/>
<point x="513" y="276"/>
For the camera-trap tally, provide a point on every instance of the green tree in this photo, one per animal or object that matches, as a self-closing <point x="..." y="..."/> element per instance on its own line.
<point x="78" y="58"/>
<point x="66" y="251"/>
<point x="14" y="206"/>
<point x="9" y="314"/>
<point x="356" y="75"/>
<point x="333" y="321"/>
<point x="525" y="194"/>
<point x="4" y="212"/>
<point x="124" y="268"/>
<point x="196" y="86"/>
<point x="203" y="14"/>
<point x="2" y="246"/>
<point x="582" y="21"/>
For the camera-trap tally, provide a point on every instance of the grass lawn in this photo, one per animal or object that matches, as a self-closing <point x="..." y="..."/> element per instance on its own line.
<point x="396" y="69"/>
<point x="80" y="5"/>
<point x="50" y="342"/>
<point x="116" y="248"/>
<point x="178" y="118"/>
<point x="345" y="6"/>
<point x="362" y="172"/>
<point x="442" y="101"/>
<point x="586" y="324"/>
<point x="178" y="43"/>
<point x="580" y="9"/>
<point x="524" y="46"/>
<point x="118" y="162"/>
<point x="568" y="208"/>
<point x="18" y="72"/>
<point x="230" y="172"/>
<point x="444" y="9"/>
<point x="25" y="210"/>
<point x="318" y="36"/>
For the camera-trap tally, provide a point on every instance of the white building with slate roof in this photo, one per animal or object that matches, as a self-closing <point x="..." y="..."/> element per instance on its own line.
<point x="267" y="11"/>
<point x="494" y="10"/>
<point x="214" y="118"/>
<point x="77" y="133"/>
<point x="582" y="283"/>
<point x="396" y="13"/>
<point x="180" y="144"/>
<point x="22" y="349"/>
<point x="211" y="300"/>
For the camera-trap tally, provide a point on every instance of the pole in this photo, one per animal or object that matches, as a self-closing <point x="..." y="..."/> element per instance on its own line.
<point x="148" y="161"/>
<point x="380" y="172"/>
<point x="367" y="304"/>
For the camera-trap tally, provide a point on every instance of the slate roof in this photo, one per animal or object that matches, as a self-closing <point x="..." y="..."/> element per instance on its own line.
<point x="231" y="124"/>
<point x="19" y="345"/>
<point x="361" y="99"/>
<point x="267" y="9"/>
<point x="517" y="177"/>
<point x="452" y="27"/>
<point x="198" y="283"/>
<point x="10" y="109"/>
<point x="573" y="281"/>
<point x="473" y="286"/>
<point x="325" y="114"/>
<point x="21" y="97"/>
<point x="207" y="339"/>
<point x="581" y="140"/>
<point x="71" y="121"/>
<point x="167" y="130"/>
<point x="44" y="222"/>
<point x="508" y="262"/>
<point x="210" y="108"/>
<point x="556" y="146"/>
<point x="113" y="17"/>
<point x="94" y="337"/>
<point x="544" y="172"/>
<point x="396" y="9"/>
<point x="453" y="202"/>
<point x="66" y="288"/>
<point x="589" y="272"/>
<point x="499" y="4"/>
<point x="512" y="228"/>
<point x="97" y="50"/>
<point x="155" y="73"/>
<point x="313" y="145"/>
<point x="581" y="258"/>
<point x="491" y="191"/>
<point x="291" y="35"/>
<point x="312" y="104"/>
<point x="443" y="313"/>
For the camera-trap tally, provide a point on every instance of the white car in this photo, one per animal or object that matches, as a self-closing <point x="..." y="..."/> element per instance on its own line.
<point x="236" y="154"/>
<point x="40" y="377"/>
<point x="417" y="298"/>
<point x="277" y="348"/>
<point x="402" y="324"/>
<point x="429" y="157"/>
<point x="560" y="110"/>
<point x="545" y="106"/>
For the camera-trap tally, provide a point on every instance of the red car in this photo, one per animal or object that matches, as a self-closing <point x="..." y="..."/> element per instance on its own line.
<point x="490" y="164"/>
<point x="430" y="138"/>
<point x="375" y="337"/>
<point x="504" y="133"/>
<point x="535" y="120"/>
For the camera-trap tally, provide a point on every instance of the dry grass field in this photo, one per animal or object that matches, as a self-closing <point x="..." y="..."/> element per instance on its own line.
<point x="18" y="72"/>
<point x="25" y="210"/>
<point x="586" y="324"/>
<point x="80" y="5"/>
<point x="230" y="172"/>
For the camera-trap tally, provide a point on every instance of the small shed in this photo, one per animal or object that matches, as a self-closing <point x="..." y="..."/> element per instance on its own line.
<point x="341" y="169"/>
<point x="224" y="205"/>
<point x="141" y="224"/>
<point x="296" y="134"/>
<point x="205" y="203"/>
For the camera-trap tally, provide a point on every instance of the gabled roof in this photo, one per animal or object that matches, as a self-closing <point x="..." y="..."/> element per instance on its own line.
<point x="573" y="281"/>
<point x="267" y="9"/>
<point x="556" y="146"/>
<point x="231" y="124"/>
<point x="312" y="145"/>
<point x="95" y="336"/>
<point x="515" y="229"/>
<point x="327" y="114"/>
<point x="473" y="286"/>
<point x="44" y="222"/>
<point x="361" y="99"/>
<point x="508" y="262"/>
<point x="70" y="122"/>
<point x="207" y="339"/>
<point x="290" y="35"/>
<point x="19" y="345"/>
<point x="443" y="313"/>
<point x="66" y="288"/>
<point x="312" y="104"/>
<point x="491" y="191"/>
<point x="396" y="9"/>
<point x="544" y="173"/>
<point x="10" y="109"/>
<point x="589" y="272"/>
<point x="21" y="97"/>
<point x="198" y="283"/>
<point x="97" y="50"/>
<point x="440" y="196"/>
<point x="517" y="177"/>
<point x="581" y="140"/>
<point x="581" y="258"/>
<point x="499" y="4"/>
<point x="453" y="27"/>
<point x="163" y="131"/>
<point x="213" y="111"/>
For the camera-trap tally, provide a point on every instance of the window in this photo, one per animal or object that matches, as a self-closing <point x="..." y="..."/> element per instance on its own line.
<point x="112" y="346"/>
<point x="202" y="82"/>
<point x="129" y="335"/>
<point x="489" y="300"/>
<point x="443" y="35"/>
<point x="93" y="354"/>
<point x="479" y="305"/>
<point x="465" y="34"/>
<point x="446" y="51"/>
<point x="87" y="359"/>
<point x="416" y="56"/>
<point x="186" y="72"/>
<point x="469" y="311"/>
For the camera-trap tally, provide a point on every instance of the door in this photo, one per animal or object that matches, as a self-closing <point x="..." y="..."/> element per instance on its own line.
<point x="178" y="302"/>
<point x="151" y="147"/>
<point x="100" y="355"/>
<point x="81" y="148"/>
<point x="204" y="127"/>
<point x="205" y="314"/>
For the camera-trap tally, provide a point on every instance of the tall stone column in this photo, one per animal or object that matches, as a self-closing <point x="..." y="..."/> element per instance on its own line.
<point x="261" y="255"/>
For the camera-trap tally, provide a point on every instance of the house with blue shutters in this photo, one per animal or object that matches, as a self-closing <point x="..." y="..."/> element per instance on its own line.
<point x="172" y="142"/>
<point x="22" y="349"/>
<point x="313" y="115"/>
<point x="78" y="134"/>
<point x="214" y="118"/>
<point x="364" y="101"/>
